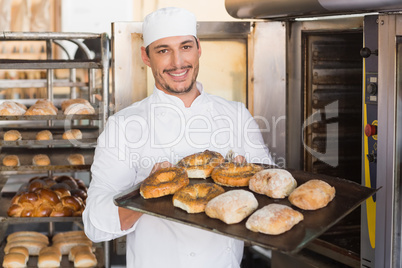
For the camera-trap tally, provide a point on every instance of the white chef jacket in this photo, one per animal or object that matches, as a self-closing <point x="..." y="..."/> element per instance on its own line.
<point x="160" y="128"/>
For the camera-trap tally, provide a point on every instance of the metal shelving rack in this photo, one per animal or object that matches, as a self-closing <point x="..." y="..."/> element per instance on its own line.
<point x="95" y="123"/>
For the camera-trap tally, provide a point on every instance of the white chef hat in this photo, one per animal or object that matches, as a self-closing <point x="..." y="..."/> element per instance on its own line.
<point x="166" y="22"/>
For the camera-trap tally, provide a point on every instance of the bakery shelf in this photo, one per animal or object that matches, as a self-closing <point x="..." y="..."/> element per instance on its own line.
<point x="58" y="116"/>
<point x="49" y="64"/>
<point x="29" y="83"/>
<point x="58" y="159"/>
<point x="65" y="263"/>
<point x="28" y="133"/>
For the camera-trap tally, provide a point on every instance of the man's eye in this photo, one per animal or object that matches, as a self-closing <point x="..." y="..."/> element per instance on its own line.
<point x="186" y="47"/>
<point x="162" y="51"/>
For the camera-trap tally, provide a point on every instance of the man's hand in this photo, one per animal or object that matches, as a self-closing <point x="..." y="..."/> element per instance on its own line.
<point x="128" y="217"/>
<point x="164" y="164"/>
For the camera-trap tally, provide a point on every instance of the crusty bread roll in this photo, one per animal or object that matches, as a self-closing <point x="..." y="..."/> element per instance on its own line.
<point x="33" y="234"/>
<point x="76" y="159"/>
<point x="12" y="108"/>
<point x="11" y="160"/>
<point x="21" y="250"/>
<point x="273" y="219"/>
<point x="275" y="183"/>
<point x="194" y="198"/>
<point x="14" y="260"/>
<point x="12" y="135"/>
<point x="60" y="237"/>
<point x="44" y="135"/>
<point x="79" y="108"/>
<point x="42" y="107"/>
<point x="312" y="195"/>
<point x="72" y="134"/>
<point x="65" y="104"/>
<point x="232" y="206"/>
<point x="41" y="160"/>
<point x="33" y="246"/>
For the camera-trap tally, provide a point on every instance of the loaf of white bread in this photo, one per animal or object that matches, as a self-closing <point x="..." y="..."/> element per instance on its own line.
<point x="11" y="160"/>
<point x="275" y="183"/>
<point x="77" y="106"/>
<point x="12" y="135"/>
<point x="49" y="257"/>
<point x="31" y="240"/>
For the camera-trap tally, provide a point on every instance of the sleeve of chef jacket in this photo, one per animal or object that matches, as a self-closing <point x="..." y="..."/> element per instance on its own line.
<point x="111" y="175"/>
<point x="254" y="146"/>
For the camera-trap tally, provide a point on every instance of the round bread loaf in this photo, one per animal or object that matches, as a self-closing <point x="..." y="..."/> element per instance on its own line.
<point x="273" y="219"/>
<point x="312" y="195"/>
<point x="65" y="104"/>
<point x="275" y="183"/>
<point x="200" y="165"/>
<point x="41" y="160"/>
<point x="12" y="108"/>
<point x="194" y="198"/>
<point x="76" y="159"/>
<point x="11" y="160"/>
<point x="72" y="134"/>
<point x="44" y="135"/>
<point x="163" y="182"/>
<point x="85" y="259"/>
<point x="234" y="174"/>
<point x="232" y="206"/>
<point x="12" y="135"/>
<point x="42" y="107"/>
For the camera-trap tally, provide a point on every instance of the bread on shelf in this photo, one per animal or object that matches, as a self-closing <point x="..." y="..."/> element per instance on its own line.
<point x="44" y="135"/>
<point x="42" y="107"/>
<point x="12" y="108"/>
<point x="41" y="160"/>
<point x="72" y="134"/>
<point x="11" y="160"/>
<point x="12" y="135"/>
<point x="76" y="159"/>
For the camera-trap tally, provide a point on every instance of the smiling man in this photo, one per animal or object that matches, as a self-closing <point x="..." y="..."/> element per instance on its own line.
<point x="177" y="120"/>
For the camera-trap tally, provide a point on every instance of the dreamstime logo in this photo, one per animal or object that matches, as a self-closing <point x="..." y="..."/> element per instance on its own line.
<point x="329" y="114"/>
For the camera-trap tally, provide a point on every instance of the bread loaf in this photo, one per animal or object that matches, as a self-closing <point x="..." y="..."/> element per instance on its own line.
<point x="12" y="108"/>
<point x="232" y="206"/>
<point x="11" y="160"/>
<point x="65" y="104"/>
<point x="74" y="250"/>
<point x="76" y="159"/>
<point x="79" y="108"/>
<point x="72" y="134"/>
<point x="41" y="160"/>
<point x="59" y="237"/>
<point x="49" y="257"/>
<point x="275" y="183"/>
<point x="42" y="107"/>
<point x="14" y="260"/>
<point x="33" y="234"/>
<point x="33" y="246"/>
<point x="67" y="245"/>
<point x="21" y="250"/>
<point x="44" y="135"/>
<point x="273" y="219"/>
<point x="85" y="259"/>
<point x="12" y="135"/>
<point x="312" y="195"/>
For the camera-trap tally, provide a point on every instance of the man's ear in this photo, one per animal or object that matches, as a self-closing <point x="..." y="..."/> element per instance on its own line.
<point x="145" y="57"/>
<point x="199" y="48"/>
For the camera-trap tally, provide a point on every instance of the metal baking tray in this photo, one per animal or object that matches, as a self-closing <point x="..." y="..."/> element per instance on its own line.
<point x="349" y="195"/>
<point x="28" y="133"/>
<point x="58" y="159"/>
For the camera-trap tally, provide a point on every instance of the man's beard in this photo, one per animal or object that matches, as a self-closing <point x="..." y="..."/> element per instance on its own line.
<point x="185" y="90"/>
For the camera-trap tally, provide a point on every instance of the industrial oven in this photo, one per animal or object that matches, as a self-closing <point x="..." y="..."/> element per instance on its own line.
<point x="325" y="91"/>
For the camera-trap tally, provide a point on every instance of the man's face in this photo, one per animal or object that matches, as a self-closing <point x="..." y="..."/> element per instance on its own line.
<point x="174" y="62"/>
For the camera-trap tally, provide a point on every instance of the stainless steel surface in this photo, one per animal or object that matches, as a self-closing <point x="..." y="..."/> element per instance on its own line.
<point x="45" y="64"/>
<point x="387" y="239"/>
<point x="307" y="8"/>
<point x="45" y="35"/>
<point x="269" y="82"/>
<point x="29" y="83"/>
<point x="59" y="116"/>
<point x="349" y="196"/>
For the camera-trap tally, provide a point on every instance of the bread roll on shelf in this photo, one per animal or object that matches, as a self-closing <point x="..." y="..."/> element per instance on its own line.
<point x="21" y="250"/>
<point x="12" y="135"/>
<point x="44" y="135"/>
<point x="11" y="161"/>
<point x="41" y="160"/>
<point x="33" y="246"/>
<point x="76" y="159"/>
<point x="72" y="134"/>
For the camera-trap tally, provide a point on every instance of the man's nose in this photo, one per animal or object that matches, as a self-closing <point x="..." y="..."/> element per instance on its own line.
<point x="177" y="59"/>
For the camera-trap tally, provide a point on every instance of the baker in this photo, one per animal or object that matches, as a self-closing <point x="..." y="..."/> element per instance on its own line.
<point x="177" y="120"/>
